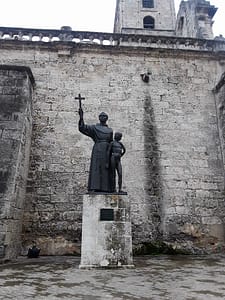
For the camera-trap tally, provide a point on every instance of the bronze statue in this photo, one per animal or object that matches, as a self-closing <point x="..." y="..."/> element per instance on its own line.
<point x="106" y="154"/>
<point x="116" y="151"/>
<point x="100" y="177"/>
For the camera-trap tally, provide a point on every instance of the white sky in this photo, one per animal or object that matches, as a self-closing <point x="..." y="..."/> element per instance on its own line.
<point x="87" y="15"/>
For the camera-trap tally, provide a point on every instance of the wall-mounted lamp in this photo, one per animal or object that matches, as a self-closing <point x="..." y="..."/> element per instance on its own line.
<point x="145" y="77"/>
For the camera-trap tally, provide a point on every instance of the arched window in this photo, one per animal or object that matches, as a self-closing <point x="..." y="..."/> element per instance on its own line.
<point x="148" y="3"/>
<point x="149" y="22"/>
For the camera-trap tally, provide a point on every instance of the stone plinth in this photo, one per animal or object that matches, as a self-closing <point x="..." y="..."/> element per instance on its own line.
<point x="106" y="232"/>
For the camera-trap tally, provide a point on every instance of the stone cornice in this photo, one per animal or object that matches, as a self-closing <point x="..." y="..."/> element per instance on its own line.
<point x="48" y="37"/>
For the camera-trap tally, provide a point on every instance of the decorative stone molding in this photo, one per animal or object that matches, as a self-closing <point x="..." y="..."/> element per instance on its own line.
<point x="109" y="39"/>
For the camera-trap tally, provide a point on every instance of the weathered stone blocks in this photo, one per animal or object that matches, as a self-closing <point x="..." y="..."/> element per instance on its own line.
<point x="15" y="138"/>
<point x="106" y="232"/>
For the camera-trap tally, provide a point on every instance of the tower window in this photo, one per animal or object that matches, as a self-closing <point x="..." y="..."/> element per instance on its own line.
<point x="149" y="22"/>
<point x="148" y="3"/>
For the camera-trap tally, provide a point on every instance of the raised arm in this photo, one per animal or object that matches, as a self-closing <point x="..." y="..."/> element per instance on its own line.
<point x="83" y="128"/>
<point x="81" y="114"/>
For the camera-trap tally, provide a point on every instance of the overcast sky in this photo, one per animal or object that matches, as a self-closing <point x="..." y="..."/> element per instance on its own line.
<point x="87" y="15"/>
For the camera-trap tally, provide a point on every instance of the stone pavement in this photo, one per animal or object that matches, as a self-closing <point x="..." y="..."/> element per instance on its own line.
<point x="155" y="277"/>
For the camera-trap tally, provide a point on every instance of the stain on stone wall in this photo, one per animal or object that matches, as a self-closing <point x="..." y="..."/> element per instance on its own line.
<point x="153" y="186"/>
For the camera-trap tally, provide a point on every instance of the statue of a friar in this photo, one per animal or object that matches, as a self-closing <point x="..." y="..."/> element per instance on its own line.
<point x="100" y="175"/>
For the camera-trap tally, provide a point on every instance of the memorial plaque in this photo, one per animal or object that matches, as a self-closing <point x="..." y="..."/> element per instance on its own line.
<point x="106" y="214"/>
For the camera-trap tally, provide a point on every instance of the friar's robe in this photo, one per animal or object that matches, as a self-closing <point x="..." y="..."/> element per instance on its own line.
<point x="100" y="176"/>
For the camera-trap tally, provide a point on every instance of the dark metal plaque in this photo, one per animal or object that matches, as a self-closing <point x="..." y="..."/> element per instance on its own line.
<point x="106" y="214"/>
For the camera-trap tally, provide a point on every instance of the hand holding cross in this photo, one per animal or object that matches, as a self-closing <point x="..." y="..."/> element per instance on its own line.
<point x="80" y="99"/>
<point x="80" y="105"/>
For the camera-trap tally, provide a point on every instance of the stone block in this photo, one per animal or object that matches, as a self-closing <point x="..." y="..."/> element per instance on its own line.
<point x="2" y="251"/>
<point x="106" y="232"/>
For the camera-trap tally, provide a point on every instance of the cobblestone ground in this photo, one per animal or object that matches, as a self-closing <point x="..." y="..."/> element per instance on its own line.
<point x="157" y="278"/>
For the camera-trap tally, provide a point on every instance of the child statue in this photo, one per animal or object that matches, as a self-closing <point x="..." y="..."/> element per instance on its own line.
<point x="116" y="151"/>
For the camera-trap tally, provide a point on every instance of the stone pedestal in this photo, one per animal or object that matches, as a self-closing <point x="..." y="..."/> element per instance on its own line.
<point x="106" y="232"/>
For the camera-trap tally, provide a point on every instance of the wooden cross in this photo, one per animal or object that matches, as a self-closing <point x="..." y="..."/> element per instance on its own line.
<point x="80" y="99"/>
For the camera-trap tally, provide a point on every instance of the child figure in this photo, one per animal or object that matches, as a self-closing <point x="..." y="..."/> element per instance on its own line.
<point x="116" y="151"/>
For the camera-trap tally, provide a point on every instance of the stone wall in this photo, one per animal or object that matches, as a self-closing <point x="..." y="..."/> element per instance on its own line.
<point x="15" y="137"/>
<point x="173" y="169"/>
<point x="219" y="94"/>
<point x="193" y="201"/>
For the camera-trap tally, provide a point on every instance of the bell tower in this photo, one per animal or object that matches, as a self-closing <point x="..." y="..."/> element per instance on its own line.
<point x="195" y="19"/>
<point x="155" y="17"/>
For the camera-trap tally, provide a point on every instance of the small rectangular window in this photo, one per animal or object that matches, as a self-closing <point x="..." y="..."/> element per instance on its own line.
<point x="148" y="3"/>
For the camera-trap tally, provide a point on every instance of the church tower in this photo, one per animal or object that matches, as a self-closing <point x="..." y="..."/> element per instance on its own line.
<point x="195" y="19"/>
<point x="155" y="17"/>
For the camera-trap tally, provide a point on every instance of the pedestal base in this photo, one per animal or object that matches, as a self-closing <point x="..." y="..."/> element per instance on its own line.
<point x="106" y="232"/>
